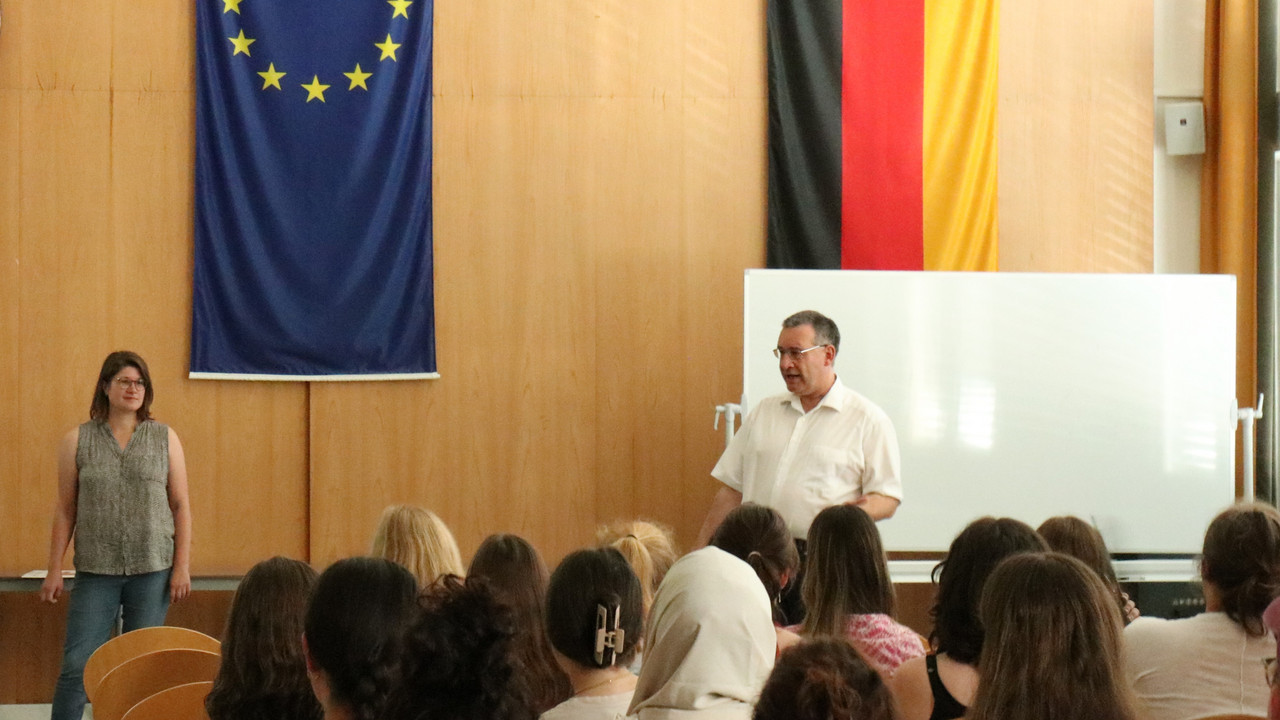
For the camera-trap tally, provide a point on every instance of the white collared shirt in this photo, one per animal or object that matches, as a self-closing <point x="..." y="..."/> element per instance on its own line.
<point x="799" y="463"/>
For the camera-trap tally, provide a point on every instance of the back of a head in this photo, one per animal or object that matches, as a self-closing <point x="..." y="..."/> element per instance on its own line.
<point x="961" y="575"/>
<point x="419" y="540"/>
<point x="1241" y="559"/>
<point x="824" y="679"/>
<point x="1053" y="648"/>
<point x="846" y="572"/>
<point x="649" y="547"/>
<point x="759" y="536"/>
<point x="355" y="624"/>
<point x="460" y="660"/>
<point x="1070" y="535"/>
<point x="584" y="585"/>
<point x="515" y="572"/>
<point x="710" y="641"/>
<point x="263" y="673"/>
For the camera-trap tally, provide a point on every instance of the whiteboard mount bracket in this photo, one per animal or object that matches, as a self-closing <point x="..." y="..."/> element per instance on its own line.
<point x="729" y="411"/>
<point x="1248" y="417"/>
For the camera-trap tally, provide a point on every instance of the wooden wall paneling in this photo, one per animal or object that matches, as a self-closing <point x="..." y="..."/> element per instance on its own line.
<point x="11" y="49"/>
<point x="64" y="46"/>
<point x="153" y="46"/>
<point x="68" y="293"/>
<point x="1075" y="137"/>
<point x="10" y="313"/>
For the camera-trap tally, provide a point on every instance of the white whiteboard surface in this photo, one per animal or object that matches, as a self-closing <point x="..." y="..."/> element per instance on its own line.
<point x="1109" y="397"/>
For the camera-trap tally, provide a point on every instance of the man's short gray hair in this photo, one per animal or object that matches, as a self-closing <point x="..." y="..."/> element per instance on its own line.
<point x="825" y="331"/>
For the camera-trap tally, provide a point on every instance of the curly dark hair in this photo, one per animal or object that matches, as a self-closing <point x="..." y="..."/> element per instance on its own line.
<point x="957" y="630"/>
<point x="823" y="679"/>
<point x="263" y="675"/>
<point x="1241" y="560"/>
<point x="355" y="628"/>
<point x="460" y="659"/>
<point x="518" y="577"/>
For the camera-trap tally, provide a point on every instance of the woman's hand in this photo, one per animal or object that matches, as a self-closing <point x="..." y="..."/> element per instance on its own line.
<point x="1131" y="611"/>
<point x="179" y="584"/>
<point x="51" y="588"/>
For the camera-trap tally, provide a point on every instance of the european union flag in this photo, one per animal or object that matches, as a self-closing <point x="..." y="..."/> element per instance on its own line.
<point x="313" y="190"/>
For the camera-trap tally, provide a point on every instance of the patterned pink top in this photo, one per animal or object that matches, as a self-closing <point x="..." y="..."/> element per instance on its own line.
<point x="885" y="643"/>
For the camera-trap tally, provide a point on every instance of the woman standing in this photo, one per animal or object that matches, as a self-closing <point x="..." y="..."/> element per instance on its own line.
<point x="122" y="492"/>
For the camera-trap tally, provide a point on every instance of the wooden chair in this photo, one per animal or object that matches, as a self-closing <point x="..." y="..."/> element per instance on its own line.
<point x="132" y="644"/>
<point x="180" y="702"/>
<point x="1234" y="716"/>
<point x="137" y="679"/>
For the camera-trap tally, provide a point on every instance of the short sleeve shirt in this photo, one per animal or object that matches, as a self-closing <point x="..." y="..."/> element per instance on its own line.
<point x="799" y="463"/>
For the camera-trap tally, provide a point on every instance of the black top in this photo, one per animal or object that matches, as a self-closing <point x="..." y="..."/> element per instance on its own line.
<point x="945" y="706"/>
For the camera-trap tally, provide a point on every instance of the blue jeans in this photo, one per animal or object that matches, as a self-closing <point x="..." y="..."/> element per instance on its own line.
<point x="142" y="600"/>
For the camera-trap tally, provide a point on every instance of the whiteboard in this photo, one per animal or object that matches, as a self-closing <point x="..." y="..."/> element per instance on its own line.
<point x="1110" y="397"/>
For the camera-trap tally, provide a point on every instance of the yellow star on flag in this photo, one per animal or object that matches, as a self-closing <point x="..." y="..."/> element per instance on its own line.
<point x="315" y="90"/>
<point x="388" y="49"/>
<point x="357" y="78"/>
<point x="271" y="78"/>
<point x="401" y="6"/>
<point x="234" y="6"/>
<point x="241" y="44"/>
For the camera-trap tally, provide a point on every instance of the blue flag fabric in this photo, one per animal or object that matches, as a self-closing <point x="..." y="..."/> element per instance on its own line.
<point x="313" y="190"/>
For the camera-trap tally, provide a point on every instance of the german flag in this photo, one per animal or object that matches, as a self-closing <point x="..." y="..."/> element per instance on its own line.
<point x="882" y="134"/>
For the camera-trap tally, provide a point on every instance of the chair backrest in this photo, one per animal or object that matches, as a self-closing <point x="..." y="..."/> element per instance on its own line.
<point x="180" y="702"/>
<point x="149" y="673"/>
<point x="132" y="644"/>
<point x="1234" y="716"/>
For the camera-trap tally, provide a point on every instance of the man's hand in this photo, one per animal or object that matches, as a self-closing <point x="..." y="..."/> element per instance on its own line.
<point x="877" y="506"/>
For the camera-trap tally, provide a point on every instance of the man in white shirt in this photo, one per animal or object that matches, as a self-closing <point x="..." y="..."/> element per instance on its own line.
<point x="817" y="445"/>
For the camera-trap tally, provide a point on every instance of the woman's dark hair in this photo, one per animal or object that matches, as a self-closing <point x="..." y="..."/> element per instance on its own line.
<point x="263" y="675"/>
<point x="957" y="630"/>
<point x="518" y="577"/>
<point x="823" y="679"/>
<point x="1242" y="560"/>
<point x="115" y="362"/>
<point x="1054" y="639"/>
<point x="460" y="658"/>
<point x="759" y="535"/>
<point x="584" y="582"/>
<point x="355" y="627"/>
<point x="846" y="572"/>
<point x="1070" y="535"/>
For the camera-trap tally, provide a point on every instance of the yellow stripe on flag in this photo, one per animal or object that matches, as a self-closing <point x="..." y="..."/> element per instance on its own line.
<point x="960" y="97"/>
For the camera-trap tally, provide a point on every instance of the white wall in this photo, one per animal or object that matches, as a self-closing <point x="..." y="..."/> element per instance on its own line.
<point x="1179" y="77"/>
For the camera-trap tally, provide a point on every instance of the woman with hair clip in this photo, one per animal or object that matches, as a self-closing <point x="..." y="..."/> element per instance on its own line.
<point x="1053" y="648"/>
<point x="459" y="658"/>
<point x="942" y="684"/>
<point x="122" y="493"/>
<point x="419" y="540"/>
<point x="594" y="619"/>
<point x="848" y="592"/>
<point x="759" y="536"/>
<point x="515" y="572"/>
<point x="1082" y="541"/>
<point x="1209" y="664"/>
<point x="263" y="675"/>
<point x="824" y="679"/>
<point x="353" y="634"/>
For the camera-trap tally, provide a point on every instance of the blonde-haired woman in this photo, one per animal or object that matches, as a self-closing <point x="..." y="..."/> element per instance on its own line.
<point x="418" y="540"/>
<point x="650" y="550"/>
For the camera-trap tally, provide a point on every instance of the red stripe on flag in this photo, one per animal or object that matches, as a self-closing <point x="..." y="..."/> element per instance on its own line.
<point x="882" y="127"/>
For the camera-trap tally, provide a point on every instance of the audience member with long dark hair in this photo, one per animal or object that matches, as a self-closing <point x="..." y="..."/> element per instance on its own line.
<point x="942" y="684"/>
<point x="824" y="679"/>
<point x="518" y="577"/>
<point x="263" y="675"/>
<point x="1082" y="541"/>
<point x="847" y="589"/>
<point x="1209" y="664"/>
<point x="355" y="625"/>
<point x="1053" y="646"/>
<point x="460" y="659"/>
<point x="759" y="536"/>
<point x="419" y="540"/>
<point x="710" y="642"/>
<point x="595" y="614"/>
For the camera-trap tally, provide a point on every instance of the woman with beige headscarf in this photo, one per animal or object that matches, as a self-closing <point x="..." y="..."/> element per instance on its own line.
<point x="710" y="641"/>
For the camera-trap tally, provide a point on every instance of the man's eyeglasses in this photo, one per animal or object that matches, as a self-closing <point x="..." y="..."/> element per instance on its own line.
<point x="127" y="384"/>
<point x="792" y="352"/>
